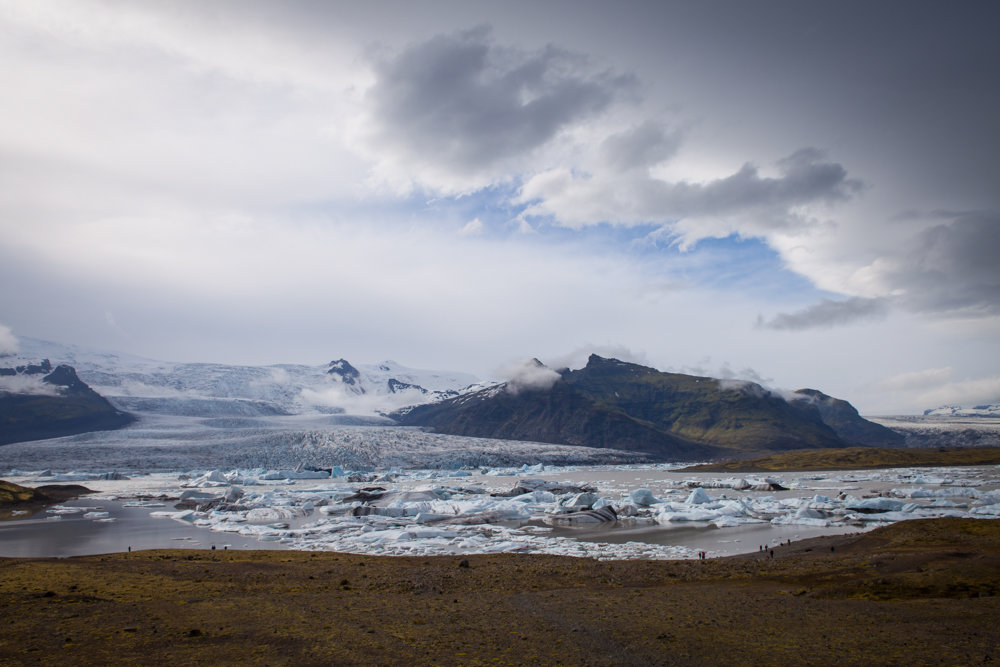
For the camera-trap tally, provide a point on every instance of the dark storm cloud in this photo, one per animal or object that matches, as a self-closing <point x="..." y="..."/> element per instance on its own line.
<point x="462" y="103"/>
<point x="947" y="269"/>
<point x="827" y="313"/>
<point x="640" y="147"/>
<point x="753" y="204"/>
<point x="805" y="178"/>
<point x="952" y="267"/>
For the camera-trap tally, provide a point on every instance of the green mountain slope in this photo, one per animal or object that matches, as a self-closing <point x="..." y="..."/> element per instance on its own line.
<point x="611" y="403"/>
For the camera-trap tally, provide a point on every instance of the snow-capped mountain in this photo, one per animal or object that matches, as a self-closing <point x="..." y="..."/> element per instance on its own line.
<point x="208" y="389"/>
<point x="958" y="411"/>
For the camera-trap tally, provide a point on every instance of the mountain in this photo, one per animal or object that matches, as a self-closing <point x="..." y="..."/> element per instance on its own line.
<point x="844" y="419"/>
<point x="223" y="390"/>
<point x="611" y="403"/>
<point x="38" y="401"/>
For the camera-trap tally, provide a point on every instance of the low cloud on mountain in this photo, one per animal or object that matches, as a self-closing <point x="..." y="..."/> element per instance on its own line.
<point x="8" y="341"/>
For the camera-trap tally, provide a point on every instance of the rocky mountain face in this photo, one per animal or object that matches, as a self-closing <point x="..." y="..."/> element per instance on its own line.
<point x="611" y="403"/>
<point x="844" y="419"/>
<point x="38" y="401"/>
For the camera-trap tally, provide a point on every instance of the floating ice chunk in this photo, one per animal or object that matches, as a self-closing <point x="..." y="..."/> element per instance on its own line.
<point x="822" y="503"/>
<point x="200" y="496"/>
<point x="727" y="522"/>
<point x="537" y="497"/>
<point x="690" y="515"/>
<point x="272" y="514"/>
<point x="604" y="515"/>
<point x="63" y="509"/>
<point x="72" y="477"/>
<point x="875" y="505"/>
<point x="951" y="492"/>
<point x="581" y="500"/>
<point x="214" y="477"/>
<point x="806" y="512"/>
<point x="431" y="517"/>
<point x="183" y="515"/>
<point x="645" y="498"/>
<point x="795" y="520"/>
<point x="697" y="497"/>
<point x="294" y="474"/>
<point x="97" y="515"/>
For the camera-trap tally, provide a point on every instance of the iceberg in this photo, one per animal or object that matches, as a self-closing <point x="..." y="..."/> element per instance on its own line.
<point x="698" y="497"/>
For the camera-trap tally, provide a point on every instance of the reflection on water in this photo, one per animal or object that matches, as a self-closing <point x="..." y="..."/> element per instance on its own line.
<point x="700" y="536"/>
<point x="39" y="535"/>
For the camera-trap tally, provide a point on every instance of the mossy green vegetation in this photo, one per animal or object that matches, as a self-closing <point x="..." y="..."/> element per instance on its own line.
<point x="858" y="458"/>
<point x="12" y="494"/>
<point x="911" y="593"/>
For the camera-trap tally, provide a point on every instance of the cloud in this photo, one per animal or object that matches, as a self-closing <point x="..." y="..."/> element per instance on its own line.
<point x="528" y="375"/>
<point x="27" y="384"/>
<point x="8" y="341"/>
<point x="965" y="393"/>
<point x="474" y="227"/>
<point x="458" y="111"/>
<point x="934" y="387"/>
<point x="828" y="313"/>
<point x="360" y="404"/>
<point x="949" y="268"/>
<point x="639" y="147"/>
<point x="745" y="202"/>
<point x="914" y="380"/>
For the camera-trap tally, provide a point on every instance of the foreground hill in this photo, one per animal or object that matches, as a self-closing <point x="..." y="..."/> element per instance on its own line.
<point x="38" y="402"/>
<point x="611" y="403"/>
<point x="915" y="592"/>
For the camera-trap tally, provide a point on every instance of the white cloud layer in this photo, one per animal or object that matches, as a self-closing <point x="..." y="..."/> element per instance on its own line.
<point x="8" y="341"/>
<point x="528" y="375"/>
<point x="214" y="176"/>
<point x="27" y="384"/>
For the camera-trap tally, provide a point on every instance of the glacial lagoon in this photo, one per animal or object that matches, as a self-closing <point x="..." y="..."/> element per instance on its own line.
<point x="662" y="512"/>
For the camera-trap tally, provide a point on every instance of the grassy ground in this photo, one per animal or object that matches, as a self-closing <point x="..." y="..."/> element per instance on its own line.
<point x="858" y="458"/>
<point x="916" y="592"/>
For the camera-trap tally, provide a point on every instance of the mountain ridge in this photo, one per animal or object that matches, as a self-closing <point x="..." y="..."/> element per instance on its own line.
<point x="219" y="390"/>
<point x="612" y="403"/>
<point x="52" y="402"/>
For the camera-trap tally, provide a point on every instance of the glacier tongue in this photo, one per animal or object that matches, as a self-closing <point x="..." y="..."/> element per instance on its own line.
<point x="222" y="390"/>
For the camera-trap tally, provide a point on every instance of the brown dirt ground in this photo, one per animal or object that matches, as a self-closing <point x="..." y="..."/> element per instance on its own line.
<point x="917" y="592"/>
<point x="856" y="458"/>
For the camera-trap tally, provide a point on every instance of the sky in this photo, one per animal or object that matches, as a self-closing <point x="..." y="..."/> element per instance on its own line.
<point x="799" y="194"/>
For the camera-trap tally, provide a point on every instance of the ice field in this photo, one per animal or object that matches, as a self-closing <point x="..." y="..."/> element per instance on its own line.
<point x="602" y="511"/>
